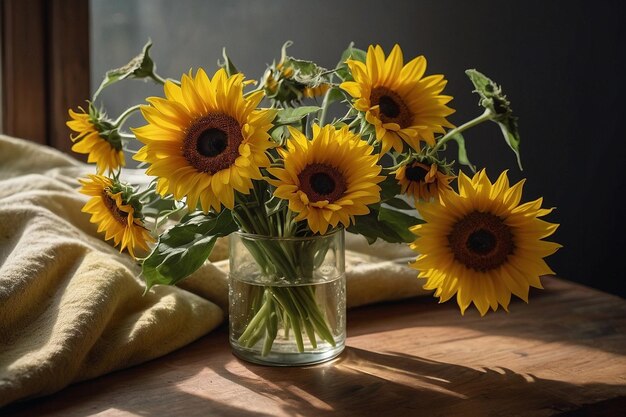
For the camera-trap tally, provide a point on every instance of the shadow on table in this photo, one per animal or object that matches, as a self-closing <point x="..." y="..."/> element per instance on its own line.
<point x="563" y="312"/>
<point x="358" y="383"/>
<point x="362" y="382"/>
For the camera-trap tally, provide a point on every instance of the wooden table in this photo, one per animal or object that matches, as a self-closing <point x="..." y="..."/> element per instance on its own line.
<point x="564" y="352"/>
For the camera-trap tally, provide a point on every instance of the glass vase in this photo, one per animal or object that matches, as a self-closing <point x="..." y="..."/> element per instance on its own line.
<point x="287" y="298"/>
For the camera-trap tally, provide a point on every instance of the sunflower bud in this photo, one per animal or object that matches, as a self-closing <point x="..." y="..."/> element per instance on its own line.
<point x="493" y="99"/>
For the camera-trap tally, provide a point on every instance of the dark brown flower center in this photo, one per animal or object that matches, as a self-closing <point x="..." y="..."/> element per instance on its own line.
<point x="392" y="108"/>
<point x="322" y="182"/>
<point x="118" y="214"/>
<point x="416" y="172"/>
<point x="212" y="142"/>
<point x="481" y="241"/>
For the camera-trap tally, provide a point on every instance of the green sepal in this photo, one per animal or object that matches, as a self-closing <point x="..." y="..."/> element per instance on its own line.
<point x="342" y="70"/>
<point x="141" y="66"/>
<point x="493" y="99"/>
<point x="227" y="64"/>
<point x="185" y="247"/>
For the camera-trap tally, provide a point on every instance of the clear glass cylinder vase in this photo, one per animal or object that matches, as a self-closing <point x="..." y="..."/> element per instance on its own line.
<point x="287" y="298"/>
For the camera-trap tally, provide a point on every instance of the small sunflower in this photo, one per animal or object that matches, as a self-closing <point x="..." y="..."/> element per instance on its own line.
<point x="397" y="101"/>
<point x="97" y="138"/>
<point x="482" y="244"/>
<point x="110" y="207"/>
<point x="205" y="140"/>
<point x="317" y="91"/>
<point x="329" y="179"/>
<point x="423" y="181"/>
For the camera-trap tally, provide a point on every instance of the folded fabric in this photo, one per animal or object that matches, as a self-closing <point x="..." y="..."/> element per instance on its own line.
<point x="71" y="305"/>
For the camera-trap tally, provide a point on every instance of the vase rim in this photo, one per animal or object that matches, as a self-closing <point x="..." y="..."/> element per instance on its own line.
<point x="290" y="238"/>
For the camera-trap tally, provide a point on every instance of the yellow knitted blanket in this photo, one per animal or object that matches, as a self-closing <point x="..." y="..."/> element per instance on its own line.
<point x="71" y="305"/>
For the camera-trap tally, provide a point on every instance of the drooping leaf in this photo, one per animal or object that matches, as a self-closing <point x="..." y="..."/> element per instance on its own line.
<point x="185" y="247"/>
<point x="493" y="99"/>
<point x="140" y="66"/>
<point x="510" y="132"/>
<point x="463" y="160"/>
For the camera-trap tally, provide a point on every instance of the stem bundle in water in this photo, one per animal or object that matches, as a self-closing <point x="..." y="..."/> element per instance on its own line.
<point x="286" y="287"/>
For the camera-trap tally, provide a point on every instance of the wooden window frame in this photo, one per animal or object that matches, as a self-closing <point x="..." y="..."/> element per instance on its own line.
<point x="45" y="67"/>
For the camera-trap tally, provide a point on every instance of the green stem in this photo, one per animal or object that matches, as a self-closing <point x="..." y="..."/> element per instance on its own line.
<point x="325" y="105"/>
<point x="482" y="118"/>
<point x="256" y="320"/>
<point x="157" y="78"/>
<point x="118" y="122"/>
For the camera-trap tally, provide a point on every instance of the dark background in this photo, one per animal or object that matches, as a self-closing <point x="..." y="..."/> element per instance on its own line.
<point x="559" y="62"/>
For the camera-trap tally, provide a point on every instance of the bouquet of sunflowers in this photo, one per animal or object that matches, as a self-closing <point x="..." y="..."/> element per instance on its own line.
<point x="228" y="155"/>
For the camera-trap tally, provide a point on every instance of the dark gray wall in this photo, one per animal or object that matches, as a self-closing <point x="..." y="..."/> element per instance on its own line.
<point x="559" y="62"/>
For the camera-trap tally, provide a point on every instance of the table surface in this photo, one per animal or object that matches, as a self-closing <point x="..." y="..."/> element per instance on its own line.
<point x="565" y="352"/>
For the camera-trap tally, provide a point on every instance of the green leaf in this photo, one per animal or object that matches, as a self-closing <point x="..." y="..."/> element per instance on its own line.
<point x="293" y="115"/>
<point x="458" y="138"/>
<point x="227" y="64"/>
<point x="279" y="134"/>
<point x="349" y="53"/>
<point x="307" y="73"/>
<point x="399" y="203"/>
<point x="389" y="188"/>
<point x="510" y="132"/>
<point x="158" y="206"/>
<point x="389" y="225"/>
<point x="185" y="247"/>
<point x="337" y="94"/>
<point x="399" y="222"/>
<point x="140" y="66"/>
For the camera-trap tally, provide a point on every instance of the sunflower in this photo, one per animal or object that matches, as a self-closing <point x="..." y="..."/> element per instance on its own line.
<point x="422" y="181"/>
<point x="205" y="140"/>
<point x="397" y="101"/>
<point x="96" y="138"/>
<point x="329" y="179"/>
<point x="482" y="244"/>
<point x="110" y="207"/>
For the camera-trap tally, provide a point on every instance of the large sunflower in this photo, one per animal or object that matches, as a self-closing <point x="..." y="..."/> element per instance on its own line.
<point x="97" y="139"/>
<point x="114" y="215"/>
<point x="397" y="101"/>
<point x="205" y="140"/>
<point x="423" y="181"/>
<point x="482" y="244"/>
<point x="329" y="179"/>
